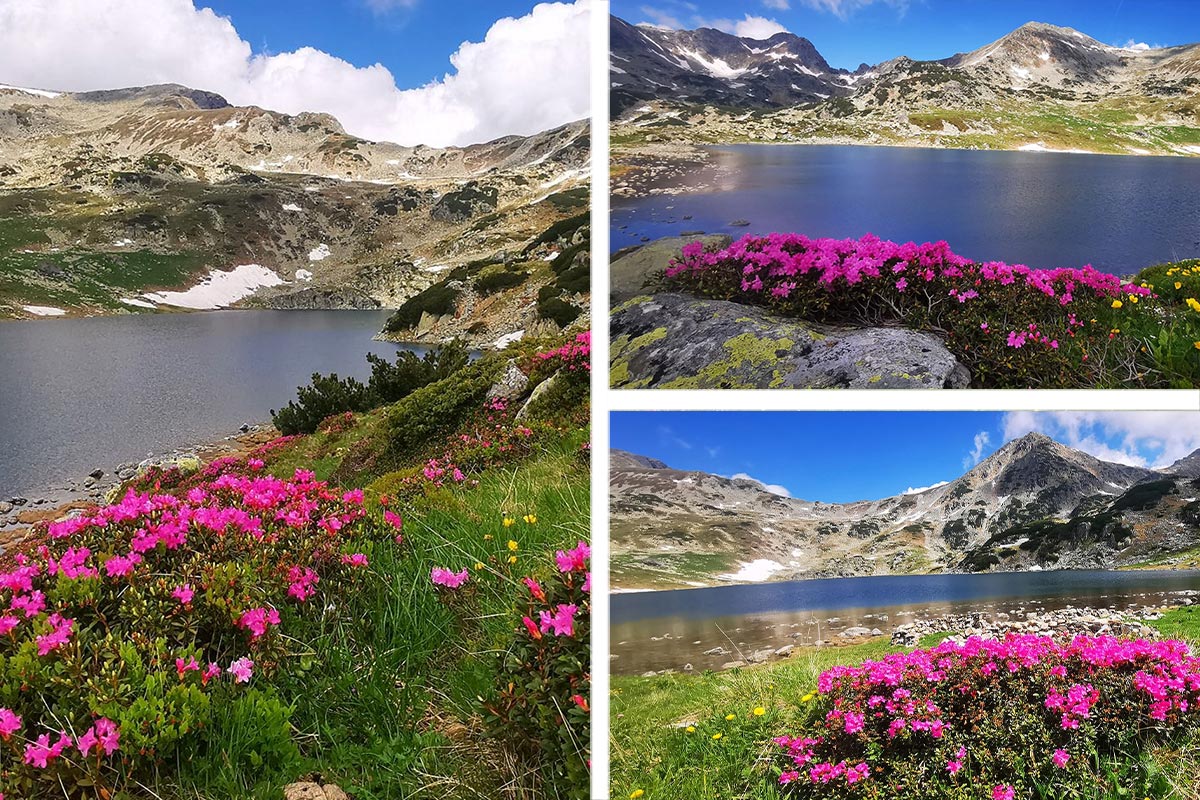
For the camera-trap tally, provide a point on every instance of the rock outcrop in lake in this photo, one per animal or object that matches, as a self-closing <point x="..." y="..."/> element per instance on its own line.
<point x="674" y="341"/>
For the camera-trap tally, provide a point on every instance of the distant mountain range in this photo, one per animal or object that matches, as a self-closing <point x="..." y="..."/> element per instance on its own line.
<point x="1034" y="504"/>
<point x="661" y="79"/>
<point x="110" y="198"/>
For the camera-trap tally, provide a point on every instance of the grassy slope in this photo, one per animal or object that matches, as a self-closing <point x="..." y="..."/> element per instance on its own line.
<point x="652" y="750"/>
<point x="387" y="696"/>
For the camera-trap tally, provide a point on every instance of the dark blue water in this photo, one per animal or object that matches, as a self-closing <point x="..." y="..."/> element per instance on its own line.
<point x="78" y="394"/>
<point x="658" y="630"/>
<point x="1118" y="213"/>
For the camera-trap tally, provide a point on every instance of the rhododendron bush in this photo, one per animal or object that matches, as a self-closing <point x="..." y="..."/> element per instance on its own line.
<point x="1027" y="716"/>
<point x="1011" y="325"/>
<point x="125" y="626"/>
<point x="544" y="679"/>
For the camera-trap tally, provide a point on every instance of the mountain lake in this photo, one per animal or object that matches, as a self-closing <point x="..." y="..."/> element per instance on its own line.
<point x="654" y="631"/>
<point x="1043" y="209"/>
<point x="93" y="393"/>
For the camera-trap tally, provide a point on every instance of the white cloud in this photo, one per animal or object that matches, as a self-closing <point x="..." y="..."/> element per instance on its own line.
<point x="982" y="440"/>
<point x="773" y="488"/>
<point x="1138" y="46"/>
<point x="529" y="73"/>
<point x="844" y="9"/>
<point x="1139" y="438"/>
<point x="749" y="27"/>
<point x="778" y="5"/>
<point x="919" y="489"/>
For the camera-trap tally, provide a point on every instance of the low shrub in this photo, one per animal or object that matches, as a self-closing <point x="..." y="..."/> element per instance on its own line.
<point x="1028" y="716"/>
<point x="440" y="407"/>
<point x="138" y="633"/>
<point x="1012" y="326"/>
<point x="558" y="311"/>
<point x="498" y="281"/>
<point x="328" y="395"/>
<point x="439" y="299"/>
<point x="543" y="682"/>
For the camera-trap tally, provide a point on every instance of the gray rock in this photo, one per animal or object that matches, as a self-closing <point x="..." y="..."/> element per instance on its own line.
<point x="733" y="664"/>
<point x="538" y="391"/>
<point x="716" y="651"/>
<point x="632" y="270"/>
<point x="97" y="474"/>
<point x="855" y="633"/>
<point x="5" y="507"/>
<point x="786" y="650"/>
<point x="19" y="501"/>
<point x="675" y="341"/>
<point x="510" y="384"/>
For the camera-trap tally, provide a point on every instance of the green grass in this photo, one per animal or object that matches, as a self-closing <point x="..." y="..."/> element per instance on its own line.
<point x="79" y="279"/>
<point x="386" y="689"/>
<point x="653" y="750"/>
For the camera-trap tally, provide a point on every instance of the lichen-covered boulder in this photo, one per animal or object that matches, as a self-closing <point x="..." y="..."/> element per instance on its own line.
<point x="633" y="270"/>
<point x="673" y="341"/>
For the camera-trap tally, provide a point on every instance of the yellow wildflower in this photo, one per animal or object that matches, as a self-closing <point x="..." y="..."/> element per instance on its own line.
<point x="1192" y="304"/>
<point x="531" y="518"/>
<point x="730" y="717"/>
<point x="690" y="729"/>
<point x="1117" y="304"/>
<point x="512" y="545"/>
<point x="1178" y="285"/>
<point x="759" y="711"/>
<point x="716" y="736"/>
<point x="487" y="537"/>
<point x="512" y="559"/>
<point x="1133" y="298"/>
<point x="509" y="522"/>
<point x="1196" y="345"/>
<point x="807" y="697"/>
<point x="478" y="565"/>
<point x="636" y="793"/>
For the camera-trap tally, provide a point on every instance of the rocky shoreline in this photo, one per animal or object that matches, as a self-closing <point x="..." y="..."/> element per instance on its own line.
<point x="1063" y="623"/>
<point x="19" y="513"/>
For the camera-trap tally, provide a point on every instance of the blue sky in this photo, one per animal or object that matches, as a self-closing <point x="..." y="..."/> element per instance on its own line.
<point x="413" y="40"/>
<point x="433" y="72"/>
<point x="849" y="32"/>
<point x="844" y="456"/>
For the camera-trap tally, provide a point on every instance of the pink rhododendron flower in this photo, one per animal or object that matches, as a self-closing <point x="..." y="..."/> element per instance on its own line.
<point x="574" y="560"/>
<point x="242" y="669"/>
<point x="10" y="723"/>
<point x="31" y="604"/>
<point x="58" y="636"/>
<point x="184" y="593"/>
<point x="1060" y="758"/>
<point x="561" y="621"/>
<point x="355" y="560"/>
<point x="41" y="752"/>
<point x="440" y="576"/>
<point x="108" y="735"/>
<point x="256" y="620"/>
<point x="1004" y="792"/>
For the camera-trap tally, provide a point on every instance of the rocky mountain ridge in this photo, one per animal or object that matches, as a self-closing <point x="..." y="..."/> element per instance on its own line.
<point x="146" y="198"/>
<point x="1033" y="504"/>
<point x="1039" y="87"/>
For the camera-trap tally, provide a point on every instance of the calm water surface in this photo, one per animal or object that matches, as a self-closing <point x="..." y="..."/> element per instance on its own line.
<point x="665" y="630"/>
<point x="1118" y="213"/>
<point x="77" y="394"/>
